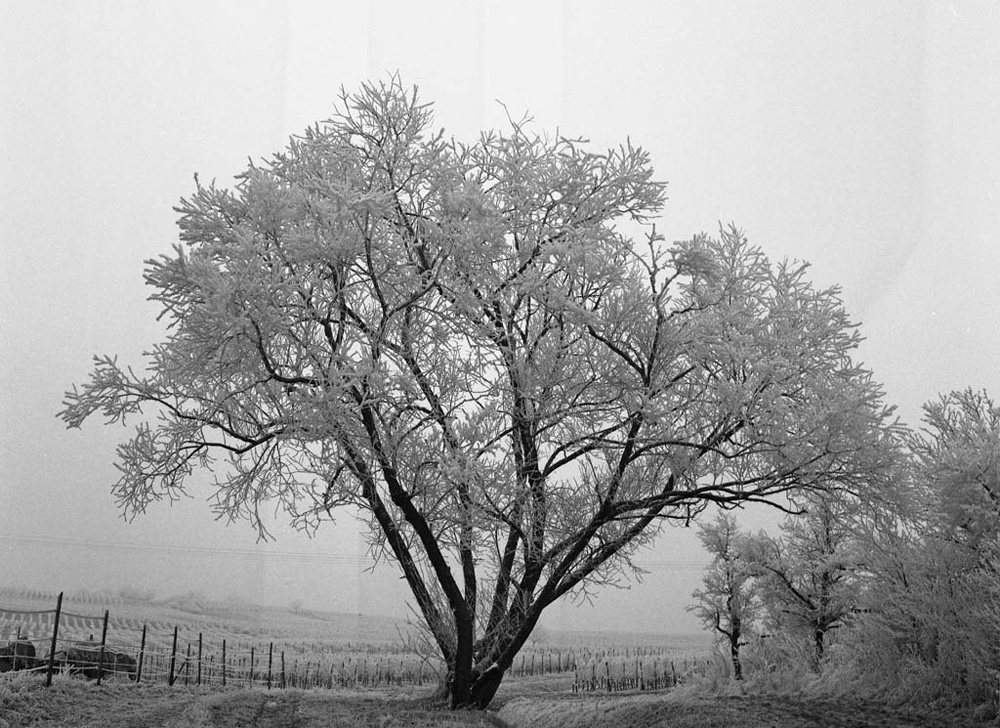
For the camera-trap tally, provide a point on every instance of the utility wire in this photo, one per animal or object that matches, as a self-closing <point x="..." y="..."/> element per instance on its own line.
<point x="294" y="556"/>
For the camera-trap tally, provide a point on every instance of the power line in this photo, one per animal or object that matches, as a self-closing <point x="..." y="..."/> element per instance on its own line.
<point x="294" y="556"/>
<point x="90" y="545"/>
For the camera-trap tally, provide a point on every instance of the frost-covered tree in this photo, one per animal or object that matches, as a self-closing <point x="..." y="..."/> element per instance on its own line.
<point x="460" y="342"/>
<point x="727" y="602"/>
<point x="807" y="577"/>
<point x="931" y="623"/>
<point x="958" y="463"/>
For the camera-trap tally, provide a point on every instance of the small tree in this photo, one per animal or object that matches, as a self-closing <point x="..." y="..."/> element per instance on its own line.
<point x="807" y="577"/>
<point x="458" y="341"/>
<point x="727" y="603"/>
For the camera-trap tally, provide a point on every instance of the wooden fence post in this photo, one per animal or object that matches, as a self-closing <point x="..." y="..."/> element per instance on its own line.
<point x="270" y="656"/>
<point x="100" y="653"/>
<point x="55" y="636"/>
<point x="173" y="659"/>
<point x="142" y="654"/>
<point x="250" y="681"/>
<point x="199" y="658"/>
<point x="223" y="663"/>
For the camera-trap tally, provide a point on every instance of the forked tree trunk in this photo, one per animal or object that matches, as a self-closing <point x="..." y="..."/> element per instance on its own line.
<point x="478" y="691"/>
<point x="469" y="684"/>
<point x="481" y="690"/>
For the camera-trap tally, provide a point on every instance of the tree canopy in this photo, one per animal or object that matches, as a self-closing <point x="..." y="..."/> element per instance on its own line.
<point x="462" y="341"/>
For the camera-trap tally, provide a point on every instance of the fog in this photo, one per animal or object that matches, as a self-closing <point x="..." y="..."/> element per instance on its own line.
<point x="859" y="136"/>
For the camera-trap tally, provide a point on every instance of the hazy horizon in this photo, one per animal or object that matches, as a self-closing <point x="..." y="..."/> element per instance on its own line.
<point x="78" y="600"/>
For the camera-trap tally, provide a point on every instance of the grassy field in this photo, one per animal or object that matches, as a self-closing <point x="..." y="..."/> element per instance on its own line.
<point x="534" y="694"/>
<point x="524" y="703"/>
<point x="686" y="709"/>
<point x="72" y="703"/>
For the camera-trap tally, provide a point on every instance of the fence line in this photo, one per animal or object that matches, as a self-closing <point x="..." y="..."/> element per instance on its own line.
<point x="156" y="652"/>
<point x="159" y="655"/>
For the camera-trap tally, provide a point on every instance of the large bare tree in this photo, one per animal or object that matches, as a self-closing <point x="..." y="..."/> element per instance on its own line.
<point x="462" y="341"/>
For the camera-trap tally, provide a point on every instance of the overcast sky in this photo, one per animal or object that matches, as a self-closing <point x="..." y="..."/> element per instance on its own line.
<point x="860" y="136"/>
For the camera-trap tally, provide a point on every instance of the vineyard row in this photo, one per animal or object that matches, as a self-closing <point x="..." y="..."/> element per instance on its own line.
<point x="157" y="652"/>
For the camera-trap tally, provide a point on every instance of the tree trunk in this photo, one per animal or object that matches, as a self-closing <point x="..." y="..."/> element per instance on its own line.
<point x="461" y="673"/>
<point x="466" y="686"/>
<point x="478" y="692"/>
<point x="818" y="637"/>
<point x="734" y="648"/>
<point x="485" y="686"/>
<point x="734" y="652"/>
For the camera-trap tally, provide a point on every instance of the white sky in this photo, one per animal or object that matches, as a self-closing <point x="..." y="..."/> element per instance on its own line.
<point x="861" y="136"/>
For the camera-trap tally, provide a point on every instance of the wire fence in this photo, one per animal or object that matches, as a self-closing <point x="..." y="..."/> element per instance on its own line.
<point x="99" y="646"/>
<point x="52" y="641"/>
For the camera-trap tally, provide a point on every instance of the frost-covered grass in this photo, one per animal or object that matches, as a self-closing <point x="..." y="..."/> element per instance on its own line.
<point x="26" y="703"/>
<point x="680" y="710"/>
